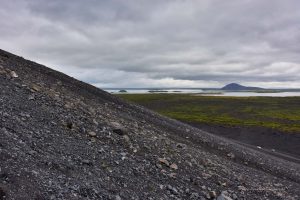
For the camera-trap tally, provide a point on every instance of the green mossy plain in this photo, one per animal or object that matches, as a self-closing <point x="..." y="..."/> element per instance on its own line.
<point x="279" y="113"/>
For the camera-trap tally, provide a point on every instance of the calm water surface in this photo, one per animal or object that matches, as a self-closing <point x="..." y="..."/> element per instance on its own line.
<point x="255" y="94"/>
<point x="204" y="92"/>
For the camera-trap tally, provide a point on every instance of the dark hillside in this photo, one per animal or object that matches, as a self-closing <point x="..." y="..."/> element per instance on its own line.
<point x="235" y="86"/>
<point x="64" y="139"/>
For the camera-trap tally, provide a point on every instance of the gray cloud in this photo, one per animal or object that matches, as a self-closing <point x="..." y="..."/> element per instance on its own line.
<point x="116" y="43"/>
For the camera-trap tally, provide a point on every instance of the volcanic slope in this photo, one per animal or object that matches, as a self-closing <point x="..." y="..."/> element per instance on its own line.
<point x="61" y="138"/>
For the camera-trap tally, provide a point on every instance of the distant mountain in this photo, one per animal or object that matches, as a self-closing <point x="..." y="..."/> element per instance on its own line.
<point x="235" y="86"/>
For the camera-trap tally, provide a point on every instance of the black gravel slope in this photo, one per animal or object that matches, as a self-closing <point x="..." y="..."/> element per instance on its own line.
<point x="63" y="139"/>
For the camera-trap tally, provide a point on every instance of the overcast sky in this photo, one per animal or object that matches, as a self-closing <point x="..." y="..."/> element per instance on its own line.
<point x="159" y="43"/>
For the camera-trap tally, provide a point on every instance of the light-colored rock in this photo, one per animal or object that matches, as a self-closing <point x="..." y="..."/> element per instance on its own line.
<point x="92" y="134"/>
<point x="35" y="87"/>
<point x="212" y="194"/>
<point x="231" y="155"/>
<point x="116" y="125"/>
<point x="224" y="196"/>
<point x="241" y="188"/>
<point x="164" y="161"/>
<point x="174" y="166"/>
<point x="126" y="138"/>
<point x="118" y="128"/>
<point x="14" y="74"/>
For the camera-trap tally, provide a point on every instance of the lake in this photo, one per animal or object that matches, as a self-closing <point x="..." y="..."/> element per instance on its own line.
<point x="256" y="94"/>
<point x="205" y="92"/>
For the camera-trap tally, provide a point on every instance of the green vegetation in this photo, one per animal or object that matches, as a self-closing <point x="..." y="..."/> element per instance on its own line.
<point x="271" y="112"/>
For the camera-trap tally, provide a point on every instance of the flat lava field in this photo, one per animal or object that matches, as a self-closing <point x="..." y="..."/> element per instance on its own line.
<point x="270" y="122"/>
